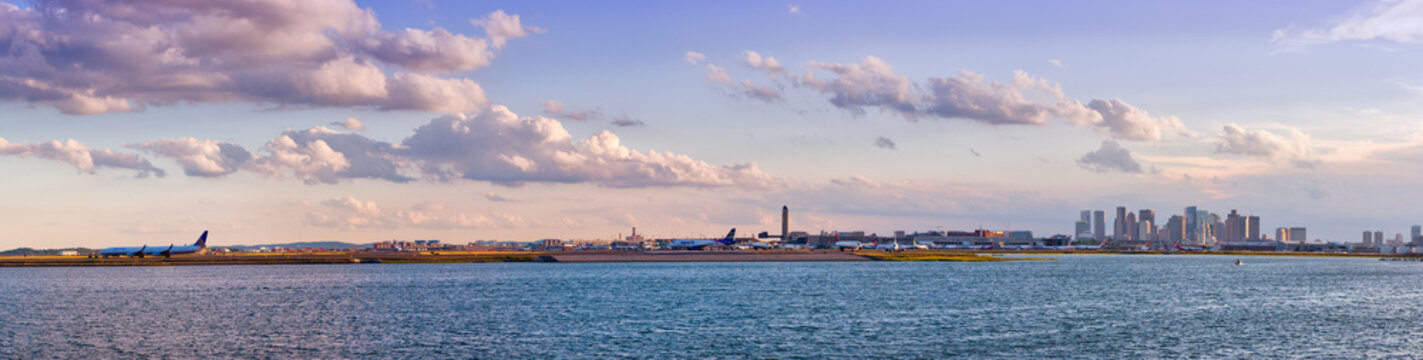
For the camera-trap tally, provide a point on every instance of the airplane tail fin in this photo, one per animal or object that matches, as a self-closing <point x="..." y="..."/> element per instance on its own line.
<point x="202" y="240"/>
<point x="730" y="237"/>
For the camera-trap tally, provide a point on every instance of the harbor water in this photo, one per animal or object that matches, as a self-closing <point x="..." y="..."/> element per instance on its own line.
<point x="1080" y="306"/>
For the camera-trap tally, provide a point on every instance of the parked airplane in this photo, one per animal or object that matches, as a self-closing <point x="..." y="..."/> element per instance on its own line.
<point x="852" y="245"/>
<point x="144" y="250"/>
<point x="699" y="244"/>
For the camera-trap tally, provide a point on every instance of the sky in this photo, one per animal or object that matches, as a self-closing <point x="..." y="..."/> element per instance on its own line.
<point x="269" y="121"/>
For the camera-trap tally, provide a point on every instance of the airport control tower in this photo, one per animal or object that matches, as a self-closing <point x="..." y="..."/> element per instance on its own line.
<point x="785" y="223"/>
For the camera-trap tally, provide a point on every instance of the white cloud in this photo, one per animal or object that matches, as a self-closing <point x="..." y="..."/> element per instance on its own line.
<point x="501" y="147"/>
<point x="1126" y="122"/>
<point x="767" y="65"/>
<point x="1392" y="20"/>
<point x="203" y="158"/>
<point x="1026" y="100"/>
<point x="80" y="156"/>
<point x="1055" y="62"/>
<point x="350" y="124"/>
<point x="693" y="57"/>
<point x="1294" y="145"/>
<point x="98" y="57"/>
<point x="872" y="82"/>
<point x="351" y="213"/>
<point x="1110" y="157"/>
<point x="793" y="8"/>
<point x="719" y="78"/>
<point x="501" y="27"/>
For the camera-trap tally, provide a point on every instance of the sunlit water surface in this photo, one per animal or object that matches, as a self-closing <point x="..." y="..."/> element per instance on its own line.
<point x="1077" y="307"/>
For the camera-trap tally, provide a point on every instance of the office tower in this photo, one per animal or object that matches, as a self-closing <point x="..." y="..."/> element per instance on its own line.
<point x="1252" y="228"/>
<point x="1119" y="226"/>
<point x="1378" y="237"/>
<point x="1234" y="227"/>
<point x="1190" y="217"/>
<point x="785" y="223"/>
<point x="1297" y="234"/>
<point x="1176" y="228"/>
<point x="1417" y="235"/>
<point x="1131" y="227"/>
<point x="1083" y="227"/>
<point x="1282" y="234"/>
<point x="1145" y="230"/>
<point x="1147" y="216"/>
<point x="1368" y="238"/>
<point x="1099" y="226"/>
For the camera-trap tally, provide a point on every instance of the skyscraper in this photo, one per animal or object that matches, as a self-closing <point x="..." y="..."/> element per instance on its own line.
<point x="1234" y="227"/>
<point x="1131" y="227"/>
<point x="1176" y="228"/>
<point x="1083" y="227"/>
<point x="1297" y="234"/>
<point x="1190" y="216"/>
<point x="1417" y="235"/>
<point x="1099" y="226"/>
<point x="1282" y="234"/>
<point x="1368" y="238"/>
<point x="1252" y="228"/>
<point x="1119" y="226"/>
<point x="1147" y="216"/>
<point x="1378" y="237"/>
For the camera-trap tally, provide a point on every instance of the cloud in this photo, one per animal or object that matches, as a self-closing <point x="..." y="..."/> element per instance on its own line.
<point x="351" y="213"/>
<point x="202" y="158"/>
<point x="872" y="82"/>
<point x="1126" y="122"/>
<point x="1026" y="100"/>
<point x="1110" y="157"/>
<point x="719" y="78"/>
<point x="1054" y="62"/>
<point x="81" y="156"/>
<point x="557" y="109"/>
<point x="321" y="155"/>
<point x="857" y="181"/>
<point x="501" y="147"/>
<point x="500" y="27"/>
<point x="627" y="122"/>
<point x="88" y="57"/>
<point x="693" y="57"/>
<point x="793" y="8"/>
<point x="350" y="124"/>
<point x="885" y="143"/>
<point x="495" y="197"/>
<point x="1294" y="146"/>
<point x="1394" y="20"/>
<point x="767" y="65"/>
<point x="496" y="146"/>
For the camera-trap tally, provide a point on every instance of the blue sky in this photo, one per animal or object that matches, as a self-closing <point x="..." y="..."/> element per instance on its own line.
<point x="1001" y="115"/>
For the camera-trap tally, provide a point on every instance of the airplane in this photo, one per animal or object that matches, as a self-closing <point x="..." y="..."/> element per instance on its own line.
<point x="852" y="245"/>
<point x="700" y="244"/>
<point x="139" y="252"/>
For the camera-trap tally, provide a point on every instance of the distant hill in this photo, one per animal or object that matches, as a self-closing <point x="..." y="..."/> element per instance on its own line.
<point x="300" y="245"/>
<point x="24" y="251"/>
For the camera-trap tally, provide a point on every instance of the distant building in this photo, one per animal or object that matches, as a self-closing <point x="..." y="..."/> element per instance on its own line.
<point x="1252" y="228"/>
<point x="1417" y="235"/>
<point x="1099" y="228"/>
<point x="1378" y="237"/>
<point x="1298" y="234"/>
<point x="1147" y="216"/>
<point x="1176" y="228"/>
<point x="1369" y="238"/>
<point x="1282" y="234"/>
<point x="1119" y="225"/>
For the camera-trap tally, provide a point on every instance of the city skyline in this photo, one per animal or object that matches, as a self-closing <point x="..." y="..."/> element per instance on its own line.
<point x="275" y="121"/>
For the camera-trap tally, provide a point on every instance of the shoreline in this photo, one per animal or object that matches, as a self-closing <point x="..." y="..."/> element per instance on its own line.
<point x="604" y="256"/>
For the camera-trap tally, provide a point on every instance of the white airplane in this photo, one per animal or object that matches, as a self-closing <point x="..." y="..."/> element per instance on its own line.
<point x="141" y="251"/>
<point x="852" y="245"/>
<point x="699" y="244"/>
